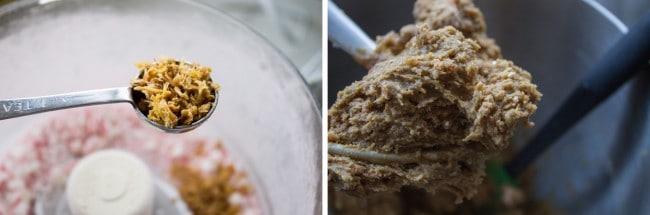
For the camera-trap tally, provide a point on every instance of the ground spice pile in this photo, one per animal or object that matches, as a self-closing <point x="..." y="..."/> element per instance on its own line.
<point x="175" y="92"/>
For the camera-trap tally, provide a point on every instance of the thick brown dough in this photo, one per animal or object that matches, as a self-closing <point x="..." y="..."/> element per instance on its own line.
<point x="439" y="96"/>
<point x="461" y="14"/>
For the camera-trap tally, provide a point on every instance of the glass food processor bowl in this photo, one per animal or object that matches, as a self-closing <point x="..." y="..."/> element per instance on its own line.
<point x="266" y="116"/>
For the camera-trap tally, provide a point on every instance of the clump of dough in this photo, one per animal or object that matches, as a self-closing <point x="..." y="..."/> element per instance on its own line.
<point x="438" y="100"/>
<point x="460" y="14"/>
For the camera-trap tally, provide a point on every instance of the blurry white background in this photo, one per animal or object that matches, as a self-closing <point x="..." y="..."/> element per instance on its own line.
<point x="293" y="26"/>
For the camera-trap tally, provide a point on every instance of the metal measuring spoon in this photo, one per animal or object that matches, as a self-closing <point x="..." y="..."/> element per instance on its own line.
<point x="18" y="107"/>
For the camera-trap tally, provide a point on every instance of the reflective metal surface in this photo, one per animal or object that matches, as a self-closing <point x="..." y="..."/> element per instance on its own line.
<point x="18" y="107"/>
<point x="599" y="166"/>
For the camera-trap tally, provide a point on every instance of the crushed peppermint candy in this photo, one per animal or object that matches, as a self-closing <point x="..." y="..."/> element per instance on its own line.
<point x="44" y="157"/>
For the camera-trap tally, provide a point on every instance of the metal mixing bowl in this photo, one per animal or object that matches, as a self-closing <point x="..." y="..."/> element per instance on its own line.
<point x="598" y="166"/>
<point x="601" y="165"/>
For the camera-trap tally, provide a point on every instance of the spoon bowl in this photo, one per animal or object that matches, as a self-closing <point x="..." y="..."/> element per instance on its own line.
<point x="137" y="96"/>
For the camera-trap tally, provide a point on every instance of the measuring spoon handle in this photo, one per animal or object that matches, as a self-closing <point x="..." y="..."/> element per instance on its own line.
<point x="11" y="108"/>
